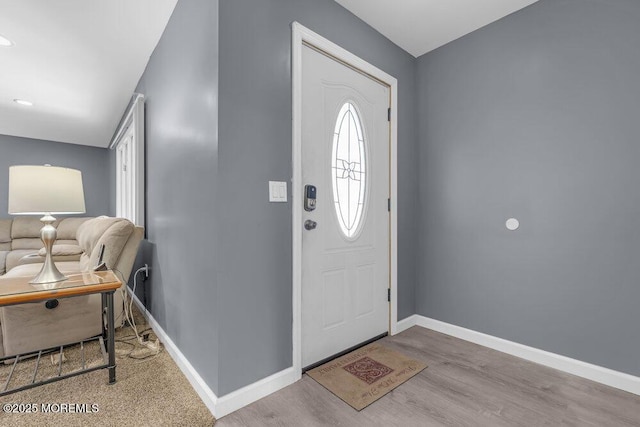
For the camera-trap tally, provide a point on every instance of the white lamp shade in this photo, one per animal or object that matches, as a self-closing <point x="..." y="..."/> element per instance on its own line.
<point x="45" y="189"/>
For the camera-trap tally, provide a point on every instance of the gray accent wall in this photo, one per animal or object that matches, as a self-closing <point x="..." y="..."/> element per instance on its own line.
<point x="91" y="161"/>
<point x="254" y="240"/>
<point x="537" y="117"/>
<point x="533" y="117"/>
<point x="180" y="84"/>
<point x="219" y="252"/>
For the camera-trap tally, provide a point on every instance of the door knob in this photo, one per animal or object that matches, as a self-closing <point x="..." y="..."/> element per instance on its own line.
<point x="310" y="225"/>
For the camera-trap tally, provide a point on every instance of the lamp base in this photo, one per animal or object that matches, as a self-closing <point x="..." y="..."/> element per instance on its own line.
<point x="49" y="272"/>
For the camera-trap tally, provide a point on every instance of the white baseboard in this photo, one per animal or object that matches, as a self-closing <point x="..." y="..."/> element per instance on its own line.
<point x="589" y="371"/>
<point x="406" y="323"/>
<point x="223" y="405"/>
<point x="242" y="397"/>
<point x="199" y="385"/>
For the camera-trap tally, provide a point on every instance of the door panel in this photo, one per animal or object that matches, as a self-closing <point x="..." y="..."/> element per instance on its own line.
<point x="366" y="290"/>
<point x="334" y="297"/>
<point x="345" y="259"/>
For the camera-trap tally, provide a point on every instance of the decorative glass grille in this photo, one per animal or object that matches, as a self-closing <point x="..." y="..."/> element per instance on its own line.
<point x="348" y="170"/>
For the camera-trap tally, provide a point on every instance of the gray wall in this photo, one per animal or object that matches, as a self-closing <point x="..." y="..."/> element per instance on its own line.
<point x="536" y="116"/>
<point x="254" y="276"/>
<point x="219" y="252"/>
<point x="91" y="161"/>
<point x="181" y="88"/>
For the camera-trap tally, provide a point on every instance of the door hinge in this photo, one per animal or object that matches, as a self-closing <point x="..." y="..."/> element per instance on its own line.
<point x="388" y="205"/>
<point x="389" y="114"/>
<point x="389" y="294"/>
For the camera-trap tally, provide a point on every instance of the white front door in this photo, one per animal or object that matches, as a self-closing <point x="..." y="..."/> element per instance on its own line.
<point x="345" y="156"/>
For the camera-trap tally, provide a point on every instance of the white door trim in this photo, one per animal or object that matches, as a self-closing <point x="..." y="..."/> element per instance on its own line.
<point x="300" y="35"/>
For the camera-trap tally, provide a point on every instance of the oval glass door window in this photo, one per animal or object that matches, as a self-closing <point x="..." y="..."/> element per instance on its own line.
<point x="349" y="170"/>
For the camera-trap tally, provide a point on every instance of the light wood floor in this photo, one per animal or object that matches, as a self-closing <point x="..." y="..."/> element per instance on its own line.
<point x="464" y="385"/>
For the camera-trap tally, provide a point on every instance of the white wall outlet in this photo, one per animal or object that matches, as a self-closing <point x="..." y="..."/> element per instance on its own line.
<point x="277" y="191"/>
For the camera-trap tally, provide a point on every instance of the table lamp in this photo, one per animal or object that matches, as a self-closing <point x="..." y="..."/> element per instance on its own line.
<point x="46" y="190"/>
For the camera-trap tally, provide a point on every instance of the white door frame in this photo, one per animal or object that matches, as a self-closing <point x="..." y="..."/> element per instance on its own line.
<point x="302" y="35"/>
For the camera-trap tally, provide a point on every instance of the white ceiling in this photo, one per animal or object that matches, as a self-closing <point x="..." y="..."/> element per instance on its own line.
<point x="419" y="26"/>
<point x="78" y="61"/>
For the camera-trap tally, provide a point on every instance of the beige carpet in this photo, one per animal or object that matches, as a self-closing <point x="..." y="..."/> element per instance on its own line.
<point x="365" y="375"/>
<point x="148" y="392"/>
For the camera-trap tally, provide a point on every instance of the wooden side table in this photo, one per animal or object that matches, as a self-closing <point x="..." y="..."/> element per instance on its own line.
<point x="18" y="290"/>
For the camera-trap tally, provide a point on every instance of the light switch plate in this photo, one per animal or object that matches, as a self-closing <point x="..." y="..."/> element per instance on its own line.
<point x="277" y="191"/>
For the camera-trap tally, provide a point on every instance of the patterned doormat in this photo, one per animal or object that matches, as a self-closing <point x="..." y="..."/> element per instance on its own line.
<point x="365" y="375"/>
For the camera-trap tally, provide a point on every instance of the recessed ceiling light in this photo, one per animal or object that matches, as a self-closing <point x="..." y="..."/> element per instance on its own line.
<point x="23" y="102"/>
<point x="5" y="42"/>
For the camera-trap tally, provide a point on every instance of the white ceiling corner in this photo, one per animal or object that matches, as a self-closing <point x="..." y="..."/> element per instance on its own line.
<point x="78" y="61"/>
<point x="419" y="26"/>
